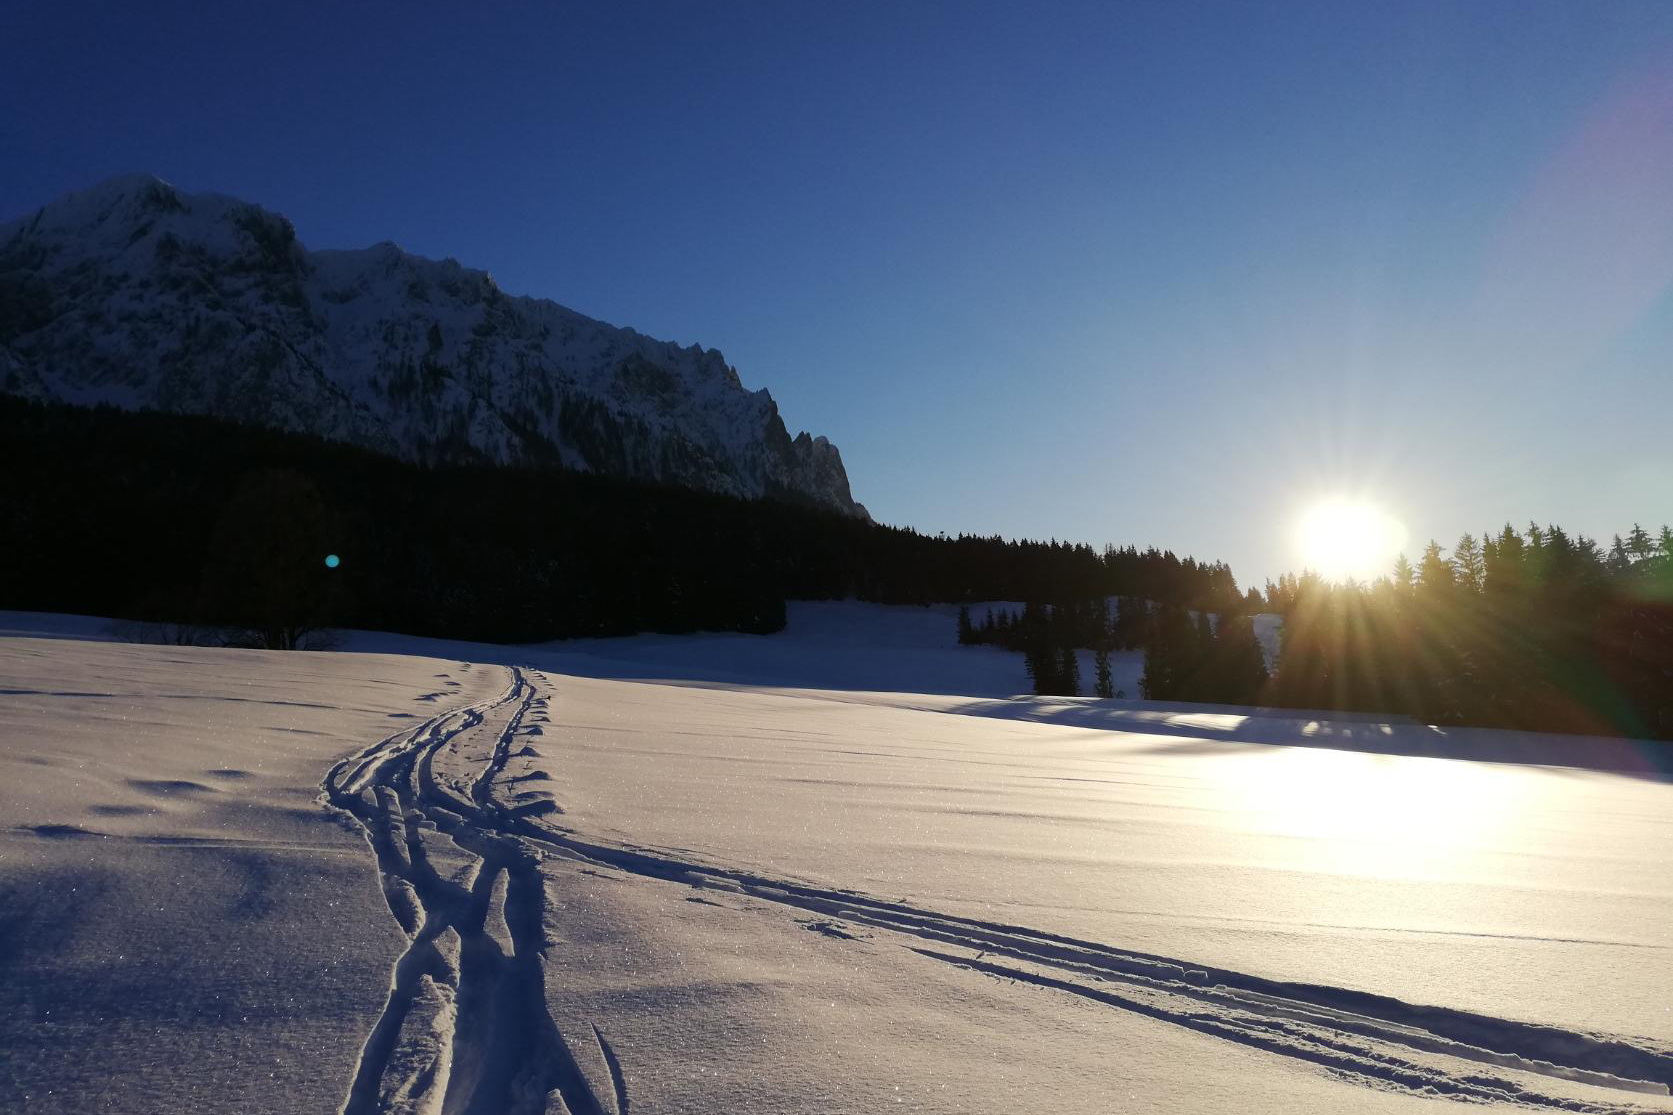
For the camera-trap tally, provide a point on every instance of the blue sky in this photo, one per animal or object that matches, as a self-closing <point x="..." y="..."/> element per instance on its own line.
<point x="1156" y="273"/>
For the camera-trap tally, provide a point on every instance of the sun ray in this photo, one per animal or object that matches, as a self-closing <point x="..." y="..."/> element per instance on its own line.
<point x="1349" y="539"/>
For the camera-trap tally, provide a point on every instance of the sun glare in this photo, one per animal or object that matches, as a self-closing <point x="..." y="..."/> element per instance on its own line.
<point x="1348" y="538"/>
<point x="1370" y="814"/>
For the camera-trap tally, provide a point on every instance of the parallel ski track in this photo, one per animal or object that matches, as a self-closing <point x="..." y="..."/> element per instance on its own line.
<point x="1371" y="1039"/>
<point x="490" y="1047"/>
<point x="1368" y="1039"/>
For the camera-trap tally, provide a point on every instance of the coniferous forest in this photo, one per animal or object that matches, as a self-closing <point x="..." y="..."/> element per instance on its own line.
<point x="1537" y="629"/>
<point x="1189" y="656"/>
<point x="177" y="518"/>
<point x="211" y="526"/>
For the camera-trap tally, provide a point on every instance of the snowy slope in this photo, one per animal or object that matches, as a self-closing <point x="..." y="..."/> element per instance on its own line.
<point x="182" y="928"/>
<point x="136" y="294"/>
<point x="825" y="644"/>
<point x="734" y="896"/>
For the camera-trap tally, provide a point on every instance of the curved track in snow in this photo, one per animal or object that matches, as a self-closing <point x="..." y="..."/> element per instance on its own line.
<point x="466" y="1029"/>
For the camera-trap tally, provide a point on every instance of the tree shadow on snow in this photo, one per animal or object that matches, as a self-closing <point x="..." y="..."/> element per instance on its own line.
<point x="1204" y="729"/>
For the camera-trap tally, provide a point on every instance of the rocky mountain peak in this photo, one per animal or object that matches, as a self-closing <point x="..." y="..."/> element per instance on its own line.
<point x="136" y="294"/>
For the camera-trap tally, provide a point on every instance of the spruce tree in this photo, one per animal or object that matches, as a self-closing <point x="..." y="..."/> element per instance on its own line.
<point x="1469" y="566"/>
<point x="1534" y="555"/>
<point x="965" y="635"/>
<point x="1618" y="561"/>
<point x="1434" y="572"/>
<point x="1043" y="668"/>
<point x="1404" y="575"/>
<point x="1105" y="681"/>
<point x="1639" y="544"/>
<point x="266" y="575"/>
<point x="1507" y="563"/>
<point x="1068" y="672"/>
<point x="1129" y="622"/>
<point x="1240" y="664"/>
<point x="1171" y="655"/>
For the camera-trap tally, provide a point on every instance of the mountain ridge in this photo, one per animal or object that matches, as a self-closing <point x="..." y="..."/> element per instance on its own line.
<point x="136" y="294"/>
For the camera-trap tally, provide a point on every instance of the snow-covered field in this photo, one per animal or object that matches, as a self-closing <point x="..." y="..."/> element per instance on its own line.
<point x="837" y="869"/>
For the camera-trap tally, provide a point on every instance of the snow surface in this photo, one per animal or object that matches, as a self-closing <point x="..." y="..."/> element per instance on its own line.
<point x="683" y="875"/>
<point x="182" y="927"/>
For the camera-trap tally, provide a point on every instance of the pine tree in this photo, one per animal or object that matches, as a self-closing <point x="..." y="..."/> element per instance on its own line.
<point x="965" y="635"/>
<point x="1068" y="672"/>
<point x="1404" y="575"/>
<point x="1534" y="556"/>
<point x="1038" y="676"/>
<point x="1507" y="563"/>
<point x="1170" y="655"/>
<point x="1130" y="619"/>
<point x="1105" y="681"/>
<point x="1029" y="621"/>
<point x="1434" y="572"/>
<point x="266" y="575"/>
<point x="1619" y="561"/>
<point x="1239" y="663"/>
<point x="1469" y="565"/>
<point x="1639" y="544"/>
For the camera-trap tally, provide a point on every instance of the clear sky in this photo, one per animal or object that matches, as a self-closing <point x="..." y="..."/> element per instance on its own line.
<point x="1161" y="273"/>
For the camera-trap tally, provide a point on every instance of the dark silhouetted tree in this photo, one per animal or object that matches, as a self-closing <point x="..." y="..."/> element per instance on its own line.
<point x="1171" y="656"/>
<point x="266" y="574"/>
<point x="1469" y="567"/>
<point x="1068" y="672"/>
<point x="1238" y="665"/>
<point x="1639" y="543"/>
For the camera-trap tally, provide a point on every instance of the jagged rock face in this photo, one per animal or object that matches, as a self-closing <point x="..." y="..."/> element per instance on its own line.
<point x="137" y="295"/>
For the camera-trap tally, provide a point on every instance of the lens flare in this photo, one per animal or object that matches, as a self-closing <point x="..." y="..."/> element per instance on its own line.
<point x="332" y="561"/>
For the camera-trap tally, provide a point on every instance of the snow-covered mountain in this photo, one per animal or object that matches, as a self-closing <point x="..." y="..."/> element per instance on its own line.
<point x="136" y="294"/>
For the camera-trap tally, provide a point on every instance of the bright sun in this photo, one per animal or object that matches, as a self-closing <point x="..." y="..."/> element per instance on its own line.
<point x="1343" y="538"/>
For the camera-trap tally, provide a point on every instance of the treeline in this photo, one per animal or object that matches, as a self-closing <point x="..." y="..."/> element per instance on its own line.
<point x="166" y="517"/>
<point x="1536" y="629"/>
<point x="1213" y="659"/>
<point x="1087" y="623"/>
<point x="1048" y="635"/>
<point x="1206" y="658"/>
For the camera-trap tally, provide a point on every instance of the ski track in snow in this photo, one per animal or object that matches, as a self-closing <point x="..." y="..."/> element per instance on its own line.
<point x="466" y="1029"/>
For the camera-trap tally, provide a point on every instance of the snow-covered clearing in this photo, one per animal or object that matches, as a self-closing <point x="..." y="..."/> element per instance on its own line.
<point x="182" y="927"/>
<point x="832" y="870"/>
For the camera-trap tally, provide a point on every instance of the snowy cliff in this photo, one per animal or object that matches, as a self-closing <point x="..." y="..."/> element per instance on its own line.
<point x="135" y="294"/>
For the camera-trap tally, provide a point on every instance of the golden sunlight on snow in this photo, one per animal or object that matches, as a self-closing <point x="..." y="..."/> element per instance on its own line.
<point x="1377" y="815"/>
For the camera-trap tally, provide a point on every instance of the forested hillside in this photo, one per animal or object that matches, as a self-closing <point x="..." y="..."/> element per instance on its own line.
<point x="172" y="517"/>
